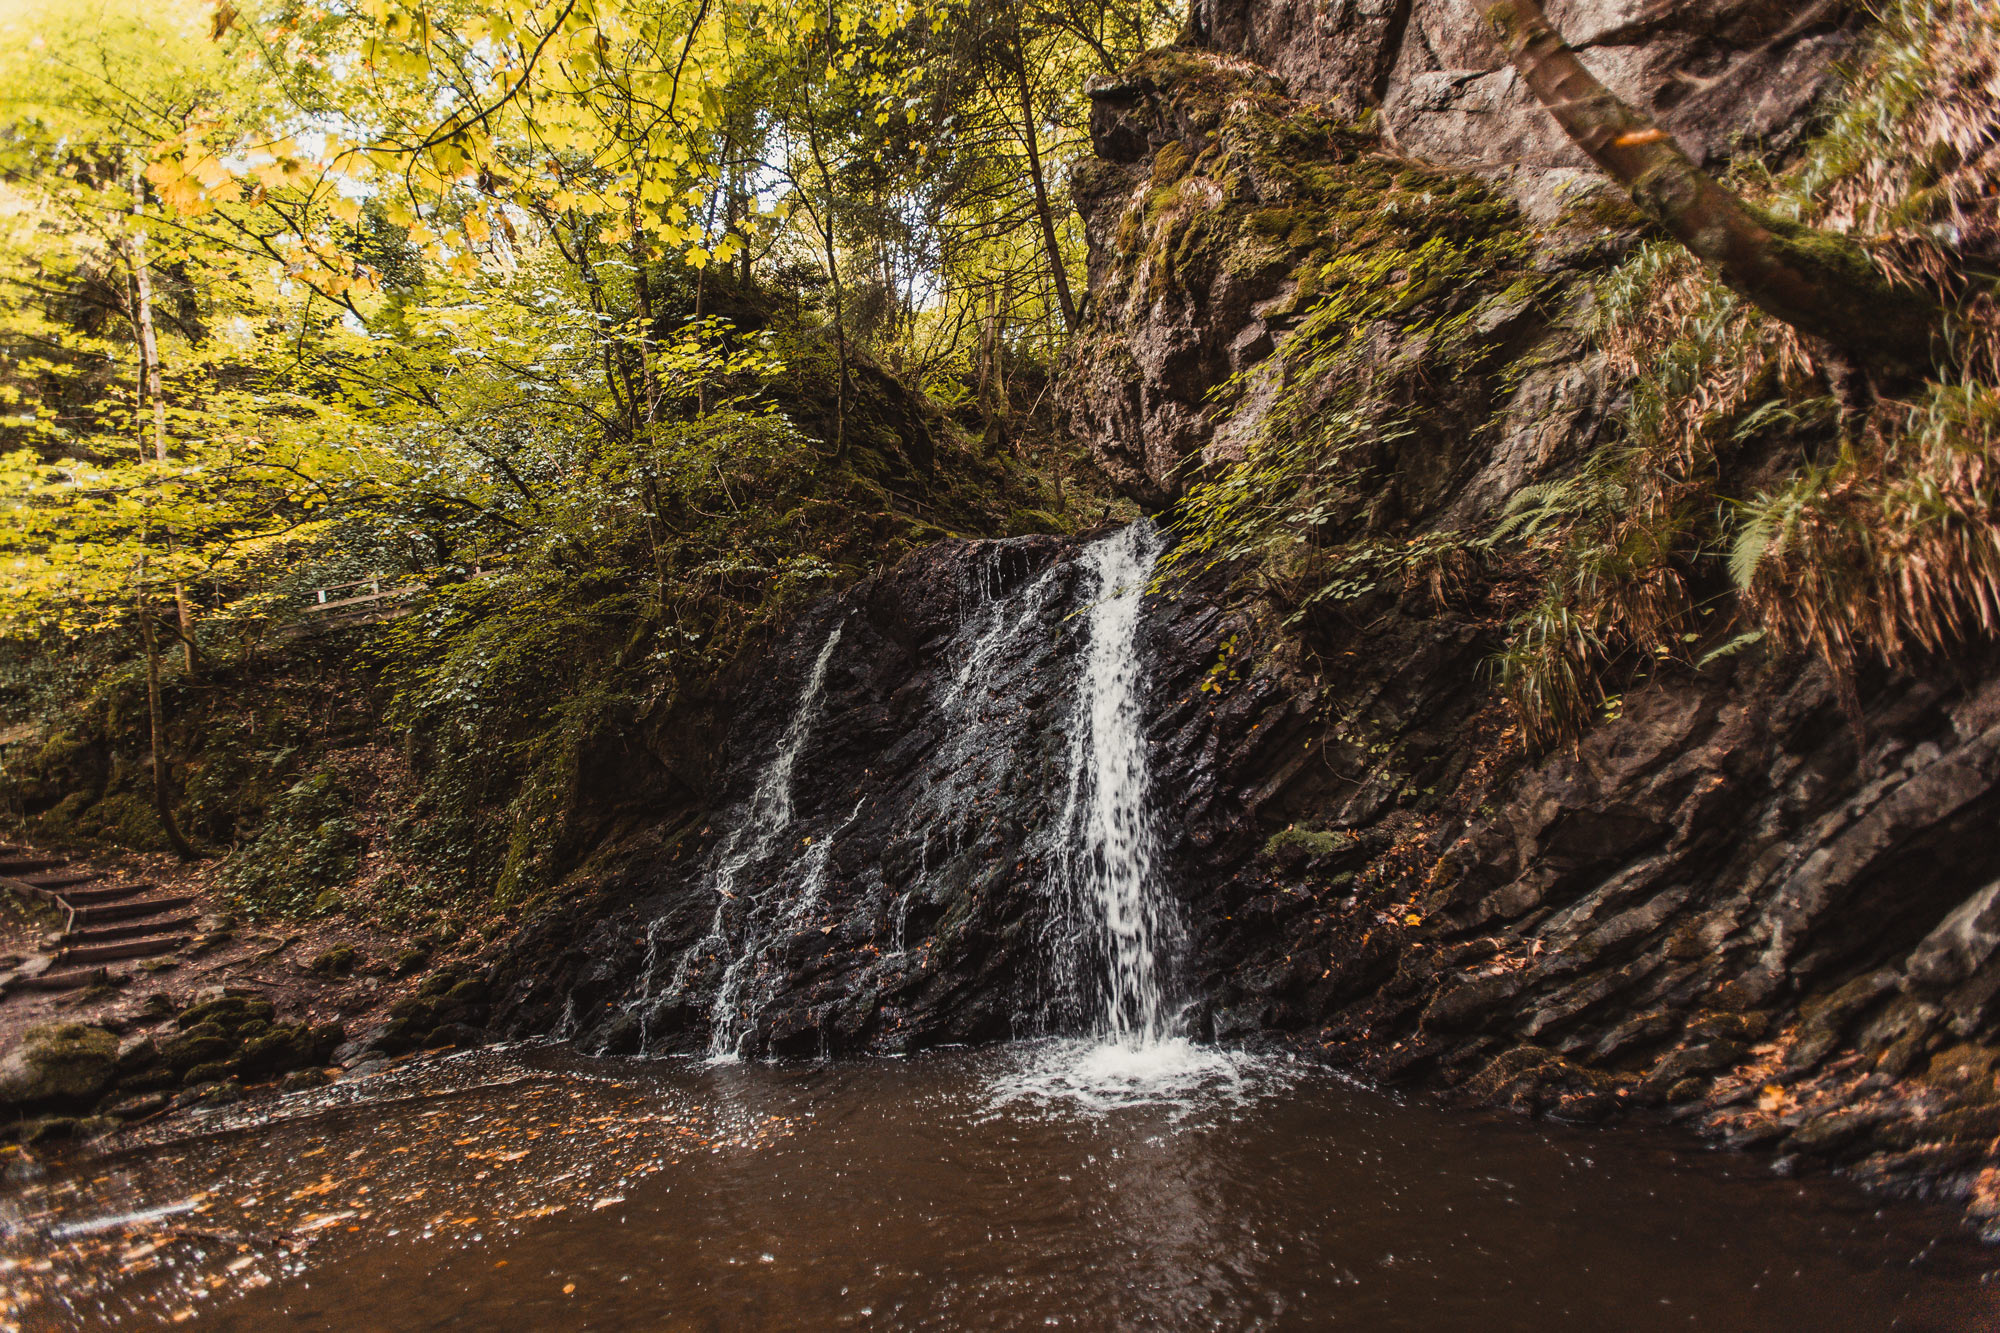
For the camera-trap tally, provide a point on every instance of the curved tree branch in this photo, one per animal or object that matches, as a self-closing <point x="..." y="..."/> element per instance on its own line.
<point x="1822" y="283"/>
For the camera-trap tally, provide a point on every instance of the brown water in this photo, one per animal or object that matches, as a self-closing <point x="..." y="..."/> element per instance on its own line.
<point x="1024" y="1187"/>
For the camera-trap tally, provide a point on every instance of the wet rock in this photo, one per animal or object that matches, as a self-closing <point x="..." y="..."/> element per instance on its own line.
<point x="222" y="1092"/>
<point x="138" y="1107"/>
<point x="136" y="1053"/>
<point x="454" y="1035"/>
<point x="302" y="1080"/>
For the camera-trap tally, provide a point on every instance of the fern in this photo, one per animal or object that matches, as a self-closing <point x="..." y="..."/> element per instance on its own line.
<point x="1730" y="649"/>
<point x="1751" y="545"/>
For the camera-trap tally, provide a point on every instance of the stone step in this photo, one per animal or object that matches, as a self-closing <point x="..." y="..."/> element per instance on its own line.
<point x="106" y="953"/>
<point x="100" y="934"/>
<point x="132" y="910"/>
<point x="110" y="893"/>
<point x="83" y="976"/>
<point x="60" y="879"/>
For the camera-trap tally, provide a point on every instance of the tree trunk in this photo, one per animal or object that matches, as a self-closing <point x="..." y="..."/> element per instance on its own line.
<point x="1042" y="210"/>
<point x="162" y="799"/>
<point x="149" y="382"/>
<point x="142" y="320"/>
<point x="642" y="291"/>
<point x="825" y="228"/>
<point x="1821" y="283"/>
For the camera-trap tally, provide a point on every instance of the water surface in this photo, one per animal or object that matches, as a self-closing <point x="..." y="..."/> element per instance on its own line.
<point x="1056" y="1185"/>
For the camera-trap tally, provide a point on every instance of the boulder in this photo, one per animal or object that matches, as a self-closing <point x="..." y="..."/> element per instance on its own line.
<point x="57" y="1063"/>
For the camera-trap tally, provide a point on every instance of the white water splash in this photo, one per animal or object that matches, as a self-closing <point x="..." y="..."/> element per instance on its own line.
<point x="1113" y="905"/>
<point x="1065" y="1075"/>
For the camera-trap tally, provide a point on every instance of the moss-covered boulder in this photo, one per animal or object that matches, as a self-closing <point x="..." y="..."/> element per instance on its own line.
<point x="56" y="1063"/>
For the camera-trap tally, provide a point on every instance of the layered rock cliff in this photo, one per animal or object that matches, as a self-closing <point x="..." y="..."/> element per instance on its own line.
<point x="1756" y="894"/>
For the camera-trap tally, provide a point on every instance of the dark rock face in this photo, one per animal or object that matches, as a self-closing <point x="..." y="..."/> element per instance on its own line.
<point x="903" y="885"/>
<point x="880" y="890"/>
<point x="1712" y="907"/>
<point x="1719" y="75"/>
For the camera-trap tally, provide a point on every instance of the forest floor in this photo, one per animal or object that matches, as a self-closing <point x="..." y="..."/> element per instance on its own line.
<point x="328" y="970"/>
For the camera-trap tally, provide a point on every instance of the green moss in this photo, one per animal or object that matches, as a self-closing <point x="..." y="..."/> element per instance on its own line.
<point x="1410" y="261"/>
<point x="1304" y="844"/>
<point x="307" y="847"/>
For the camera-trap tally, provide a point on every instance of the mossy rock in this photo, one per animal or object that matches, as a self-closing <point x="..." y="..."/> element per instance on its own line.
<point x="438" y="983"/>
<point x="339" y="961"/>
<point x="213" y="1012"/>
<point x="58" y="1062"/>
<point x="184" y="1053"/>
<point x="1291" y="848"/>
<point x="283" y="1047"/>
<point x="48" y="1129"/>
<point x="219" y="1093"/>
<point x="157" y="1079"/>
<point x="213" y="1072"/>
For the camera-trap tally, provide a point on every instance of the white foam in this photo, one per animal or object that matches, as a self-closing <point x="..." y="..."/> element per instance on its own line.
<point x="1098" y="1077"/>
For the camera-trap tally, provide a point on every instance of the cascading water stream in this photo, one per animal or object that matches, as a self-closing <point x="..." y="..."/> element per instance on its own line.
<point x="769" y="814"/>
<point x="754" y="832"/>
<point x="1110" y="861"/>
<point x="1117" y="928"/>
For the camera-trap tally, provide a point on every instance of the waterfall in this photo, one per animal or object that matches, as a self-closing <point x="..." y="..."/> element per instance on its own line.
<point x="1015" y="779"/>
<point x="1107" y="861"/>
<point x="766" y="818"/>
<point x="754" y="830"/>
